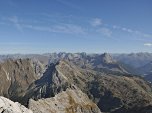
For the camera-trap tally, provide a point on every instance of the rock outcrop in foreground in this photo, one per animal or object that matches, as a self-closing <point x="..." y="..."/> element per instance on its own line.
<point x="7" y="106"/>
<point x="69" y="101"/>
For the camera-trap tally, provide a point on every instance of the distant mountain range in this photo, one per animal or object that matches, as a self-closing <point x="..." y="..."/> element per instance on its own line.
<point x="88" y="83"/>
<point x="134" y="63"/>
<point x="135" y="60"/>
<point x="130" y="63"/>
<point x="138" y="63"/>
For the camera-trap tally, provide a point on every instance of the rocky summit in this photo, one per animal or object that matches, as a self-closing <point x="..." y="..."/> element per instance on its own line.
<point x="69" y="101"/>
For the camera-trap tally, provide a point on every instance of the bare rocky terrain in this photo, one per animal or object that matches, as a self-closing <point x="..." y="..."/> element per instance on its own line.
<point x="74" y="83"/>
<point x="7" y="106"/>
<point x="69" y="101"/>
<point x="17" y="75"/>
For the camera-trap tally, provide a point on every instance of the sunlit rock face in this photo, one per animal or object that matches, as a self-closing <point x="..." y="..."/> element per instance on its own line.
<point x="110" y="91"/>
<point x="7" y="106"/>
<point x="69" y="101"/>
<point x="17" y="75"/>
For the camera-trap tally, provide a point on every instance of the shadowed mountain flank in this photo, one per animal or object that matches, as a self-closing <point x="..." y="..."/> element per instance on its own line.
<point x="111" y="90"/>
<point x="17" y="75"/>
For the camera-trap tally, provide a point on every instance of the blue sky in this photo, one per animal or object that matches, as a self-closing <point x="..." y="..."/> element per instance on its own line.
<point x="92" y="26"/>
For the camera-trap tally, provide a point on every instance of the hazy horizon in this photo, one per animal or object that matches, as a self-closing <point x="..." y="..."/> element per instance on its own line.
<point x="73" y="53"/>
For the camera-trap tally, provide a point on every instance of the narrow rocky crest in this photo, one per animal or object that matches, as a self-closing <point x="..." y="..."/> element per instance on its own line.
<point x="69" y="101"/>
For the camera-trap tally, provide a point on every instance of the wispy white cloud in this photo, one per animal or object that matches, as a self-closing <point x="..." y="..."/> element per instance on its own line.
<point x="96" y="22"/>
<point x="60" y="28"/>
<point x="127" y="30"/>
<point x="115" y="27"/>
<point x="105" y="31"/>
<point x="15" y="21"/>
<point x="147" y="35"/>
<point x="56" y="27"/>
<point x="63" y="25"/>
<point x="124" y="29"/>
<point x="134" y="32"/>
<point x="100" y="27"/>
<point x="148" y="44"/>
<point x="69" y="28"/>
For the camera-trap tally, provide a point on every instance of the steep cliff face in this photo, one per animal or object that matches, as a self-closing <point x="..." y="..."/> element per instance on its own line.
<point x="57" y="78"/>
<point x="7" y="106"/>
<point x="106" y="62"/>
<point x="95" y="61"/>
<point x="69" y="101"/>
<point x="16" y="76"/>
<point x="111" y="92"/>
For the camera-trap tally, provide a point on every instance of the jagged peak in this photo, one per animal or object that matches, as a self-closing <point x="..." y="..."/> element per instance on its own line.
<point x="107" y="58"/>
<point x="60" y="62"/>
